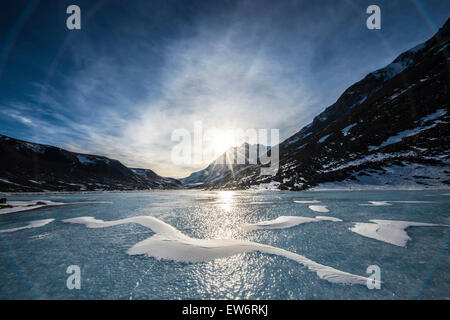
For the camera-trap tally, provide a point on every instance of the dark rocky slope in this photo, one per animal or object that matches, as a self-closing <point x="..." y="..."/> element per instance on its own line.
<point x="32" y="167"/>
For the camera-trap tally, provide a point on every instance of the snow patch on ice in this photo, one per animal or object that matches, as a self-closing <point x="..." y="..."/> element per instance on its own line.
<point x="19" y="206"/>
<point x="389" y="203"/>
<point x="31" y="224"/>
<point x="284" y="222"/>
<point x="328" y="218"/>
<point x="389" y="231"/>
<point x="377" y="203"/>
<point x="170" y="244"/>
<point x="319" y="208"/>
<point x="306" y="201"/>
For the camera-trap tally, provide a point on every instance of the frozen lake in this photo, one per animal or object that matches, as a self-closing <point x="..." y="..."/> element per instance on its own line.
<point x="228" y="245"/>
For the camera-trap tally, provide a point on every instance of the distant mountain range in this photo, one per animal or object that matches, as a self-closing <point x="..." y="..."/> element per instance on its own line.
<point x="391" y="129"/>
<point x="32" y="167"/>
<point x="227" y="165"/>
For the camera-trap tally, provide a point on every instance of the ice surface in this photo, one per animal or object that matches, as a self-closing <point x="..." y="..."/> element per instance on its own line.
<point x="389" y="203"/>
<point x="169" y="243"/>
<point x="319" y="208"/>
<point x="31" y="224"/>
<point x="306" y="201"/>
<point x="390" y="231"/>
<point x="284" y="222"/>
<point x="260" y="202"/>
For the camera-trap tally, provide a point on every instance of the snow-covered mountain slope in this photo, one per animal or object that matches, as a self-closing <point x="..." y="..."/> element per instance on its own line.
<point x="31" y="167"/>
<point x="230" y="163"/>
<point x="390" y="129"/>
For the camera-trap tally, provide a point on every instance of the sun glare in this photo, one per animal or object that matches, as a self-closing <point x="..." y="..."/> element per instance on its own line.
<point x="223" y="141"/>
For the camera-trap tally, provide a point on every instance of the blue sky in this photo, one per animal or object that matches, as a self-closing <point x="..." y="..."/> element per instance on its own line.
<point x="138" y="70"/>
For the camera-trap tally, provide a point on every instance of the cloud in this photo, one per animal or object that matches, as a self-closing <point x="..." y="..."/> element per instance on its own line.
<point x="212" y="76"/>
<point x="17" y="115"/>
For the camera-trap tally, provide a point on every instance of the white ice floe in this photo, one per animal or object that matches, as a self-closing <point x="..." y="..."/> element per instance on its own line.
<point x="319" y="208"/>
<point x="306" y="201"/>
<point x="170" y="244"/>
<point x="31" y="224"/>
<point x="390" y="231"/>
<point x="19" y="206"/>
<point x="389" y="202"/>
<point x="376" y="203"/>
<point x="284" y="222"/>
<point x="410" y="201"/>
<point x="328" y="218"/>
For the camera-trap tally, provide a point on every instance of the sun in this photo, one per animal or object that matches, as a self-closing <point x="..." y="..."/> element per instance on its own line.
<point x="223" y="141"/>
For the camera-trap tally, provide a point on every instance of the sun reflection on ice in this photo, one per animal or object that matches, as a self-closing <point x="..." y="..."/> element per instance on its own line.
<point x="232" y="277"/>
<point x="225" y="200"/>
<point x="223" y="218"/>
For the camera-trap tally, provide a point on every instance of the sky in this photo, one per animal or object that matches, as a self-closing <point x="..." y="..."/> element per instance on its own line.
<point x="137" y="71"/>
